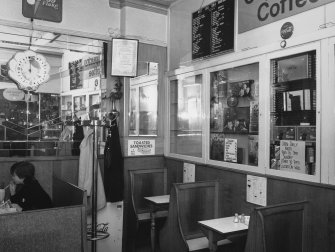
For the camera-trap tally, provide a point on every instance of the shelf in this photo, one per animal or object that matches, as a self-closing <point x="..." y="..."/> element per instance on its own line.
<point x="293" y="85"/>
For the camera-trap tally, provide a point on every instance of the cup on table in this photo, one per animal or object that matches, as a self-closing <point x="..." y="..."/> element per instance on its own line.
<point x="2" y="195"/>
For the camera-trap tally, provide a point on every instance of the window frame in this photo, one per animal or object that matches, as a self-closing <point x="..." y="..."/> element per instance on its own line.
<point x="180" y="77"/>
<point x="314" y="46"/>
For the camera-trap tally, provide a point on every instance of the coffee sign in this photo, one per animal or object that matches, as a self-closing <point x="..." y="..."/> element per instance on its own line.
<point x="257" y="13"/>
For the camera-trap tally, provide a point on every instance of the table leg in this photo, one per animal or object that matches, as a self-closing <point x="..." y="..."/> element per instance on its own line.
<point x="212" y="244"/>
<point x="153" y="232"/>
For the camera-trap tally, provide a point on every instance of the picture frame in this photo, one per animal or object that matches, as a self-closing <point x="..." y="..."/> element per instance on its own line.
<point x="124" y="57"/>
<point x="79" y="103"/>
<point x="306" y="133"/>
<point x="284" y="133"/>
<point x="293" y="68"/>
<point x="236" y="120"/>
<point x="240" y="88"/>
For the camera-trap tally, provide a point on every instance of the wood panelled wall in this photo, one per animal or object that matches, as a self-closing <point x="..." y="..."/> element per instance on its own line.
<point x="320" y="212"/>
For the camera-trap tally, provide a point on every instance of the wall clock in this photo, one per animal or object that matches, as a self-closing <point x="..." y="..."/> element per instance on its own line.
<point x="232" y="101"/>
<point x="29" y="70"/>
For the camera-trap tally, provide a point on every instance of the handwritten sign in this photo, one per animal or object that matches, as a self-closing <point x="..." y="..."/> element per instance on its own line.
<point x="292" y="156"/>
<point x="141" y="147"/>
<point x="230" y="150"/>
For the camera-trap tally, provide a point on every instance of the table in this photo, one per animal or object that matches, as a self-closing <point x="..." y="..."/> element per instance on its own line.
<point x="157" y="203"/>
<point x="219" y="229"/>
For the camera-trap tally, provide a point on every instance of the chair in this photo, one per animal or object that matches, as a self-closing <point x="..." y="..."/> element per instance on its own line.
<point x="146" y="183"/>
<point x="189" y="203"/>
<point x="277" y="228"/>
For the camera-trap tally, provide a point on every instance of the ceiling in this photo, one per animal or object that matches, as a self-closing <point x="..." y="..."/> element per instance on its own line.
<point x="151" y="5"/>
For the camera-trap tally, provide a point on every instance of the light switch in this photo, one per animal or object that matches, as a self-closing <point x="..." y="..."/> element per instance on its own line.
<point x="188" y="173"/>
<point x="256" y="190"/>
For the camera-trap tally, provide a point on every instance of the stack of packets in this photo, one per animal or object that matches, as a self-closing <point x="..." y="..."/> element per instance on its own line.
<point x="6" y="207"/>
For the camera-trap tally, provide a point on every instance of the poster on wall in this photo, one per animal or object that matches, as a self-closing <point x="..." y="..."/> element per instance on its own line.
<point x="141" y="147"/>
<point x="124" y="57"/>
<point x="76" y="74"/>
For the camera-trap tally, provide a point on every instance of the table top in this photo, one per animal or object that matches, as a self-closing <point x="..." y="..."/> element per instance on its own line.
<point x="160" y="199"/>
<point x="224" y="225"/>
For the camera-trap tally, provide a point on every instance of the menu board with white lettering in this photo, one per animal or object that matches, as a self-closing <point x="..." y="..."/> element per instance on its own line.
<point x="213" y="29"/>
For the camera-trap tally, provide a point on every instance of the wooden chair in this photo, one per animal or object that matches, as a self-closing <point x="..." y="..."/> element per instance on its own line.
<point x="146" y="183"/>
<point x="277" y="228"/>
<point x="189" y="203"/>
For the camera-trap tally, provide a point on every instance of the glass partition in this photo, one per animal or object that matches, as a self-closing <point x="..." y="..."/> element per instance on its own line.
<point x="143" y="101"/>
<point x="186" y="115"/>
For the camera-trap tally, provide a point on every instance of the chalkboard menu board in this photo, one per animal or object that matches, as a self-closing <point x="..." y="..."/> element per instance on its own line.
<point x="213" y="29"/>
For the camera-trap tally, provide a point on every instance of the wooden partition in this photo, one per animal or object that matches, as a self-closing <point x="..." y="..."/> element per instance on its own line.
<point x="190" y="203"/>
<point x="278" y="228"/>
<point x="129" y="218"/>
<point x="320" y="215"/>
<point x="52" y="230"/>
<point x="61" y="228"/>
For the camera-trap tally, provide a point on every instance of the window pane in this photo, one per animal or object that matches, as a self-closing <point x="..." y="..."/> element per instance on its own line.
<point x="293" y="113"/>
<point x="148" y="110"/>
<point x="185" y="116"/>
<point x="234" y="115"/>
<point x="132" y="112"/>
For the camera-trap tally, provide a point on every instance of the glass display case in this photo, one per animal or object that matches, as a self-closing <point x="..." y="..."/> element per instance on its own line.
<point x="186" y="115"/>
<point x="293" y="132"/>
<point x="234" y="114"/>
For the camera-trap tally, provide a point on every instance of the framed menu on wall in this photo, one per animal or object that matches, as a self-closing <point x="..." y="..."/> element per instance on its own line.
<point x="124" y="57"/>
<point x="213" y="29"/>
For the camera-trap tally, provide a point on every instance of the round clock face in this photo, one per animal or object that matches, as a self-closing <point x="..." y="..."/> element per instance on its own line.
<point x="29" y="70"/>
<point x="232" y="101"/>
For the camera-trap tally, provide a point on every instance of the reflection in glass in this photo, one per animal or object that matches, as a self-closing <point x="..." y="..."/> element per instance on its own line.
<point x="133" y="112"/>
<point x="143" y="100"/>
<point x="148" y="110"/>
<point x="186" y="116"/>
<point x="32" y="123"/>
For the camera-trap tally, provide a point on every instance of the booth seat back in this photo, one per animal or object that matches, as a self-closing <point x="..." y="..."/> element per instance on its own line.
<point x="61" y="228"/>
<point x="52" y="230"/>
<point x="195" y="202"/>
<point x="189" y="203"/>
<point x="146" y="183"/>
<point x="278" y="228"/>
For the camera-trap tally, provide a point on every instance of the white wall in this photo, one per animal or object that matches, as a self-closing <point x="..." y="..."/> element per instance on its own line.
<point x="180" y="30"/>
<point x="84" y="16"/>
<point x="149" y="27"/>
<point x="95" y="19"/>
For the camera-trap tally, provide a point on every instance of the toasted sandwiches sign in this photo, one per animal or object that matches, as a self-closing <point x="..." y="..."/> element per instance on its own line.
<point x="141" y="147"/>
<point x="256" y="13"/>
